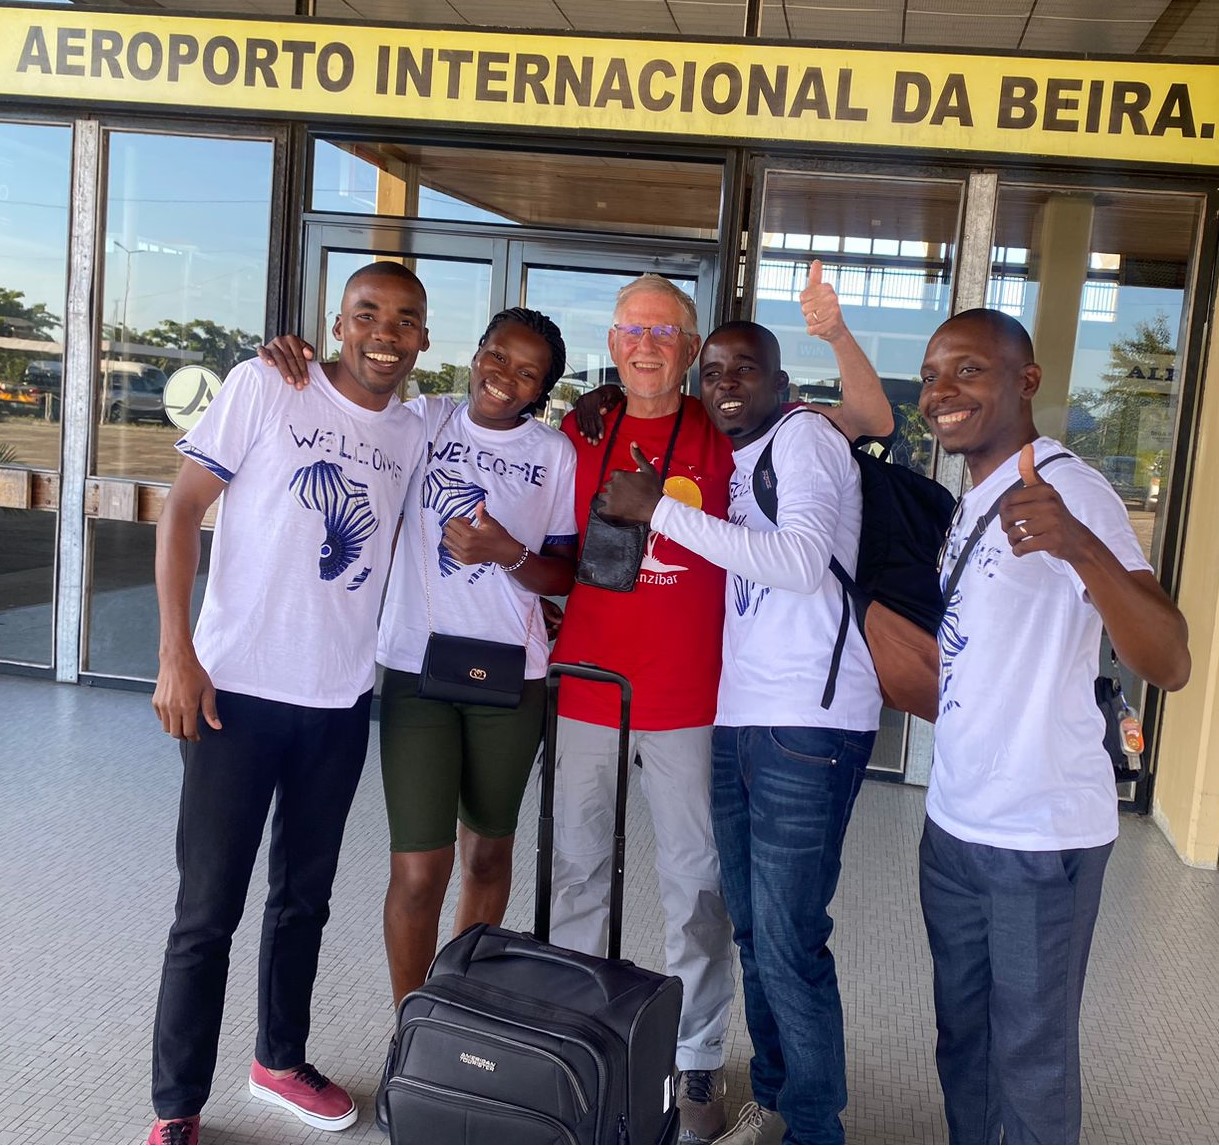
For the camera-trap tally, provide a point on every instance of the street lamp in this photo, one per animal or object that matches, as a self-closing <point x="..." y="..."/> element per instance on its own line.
<point x="127" y="279"/>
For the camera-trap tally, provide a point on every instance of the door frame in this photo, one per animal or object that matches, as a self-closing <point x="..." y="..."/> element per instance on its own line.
<point x="510" y="251"/>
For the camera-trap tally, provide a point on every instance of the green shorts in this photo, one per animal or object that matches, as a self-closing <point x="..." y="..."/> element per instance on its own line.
<point x="443" y="762"/>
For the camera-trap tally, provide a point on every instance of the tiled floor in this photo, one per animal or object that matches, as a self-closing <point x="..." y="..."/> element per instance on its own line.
<point x="88" y="800"/>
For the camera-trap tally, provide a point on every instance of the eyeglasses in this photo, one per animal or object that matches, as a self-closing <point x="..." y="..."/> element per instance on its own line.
<point x="663" y="333"/>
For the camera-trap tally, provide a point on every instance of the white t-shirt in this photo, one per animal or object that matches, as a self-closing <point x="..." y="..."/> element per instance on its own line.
<point x="1019" y="761"/>
<point x="784" y="604"/>
<point x="526" y="477"/>
<point x="303" y="534"/>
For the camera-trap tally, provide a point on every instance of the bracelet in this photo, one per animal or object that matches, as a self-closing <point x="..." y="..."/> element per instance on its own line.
<point x="518" y="562"/>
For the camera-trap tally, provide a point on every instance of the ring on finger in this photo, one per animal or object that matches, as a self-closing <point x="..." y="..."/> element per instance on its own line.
<point x="1023" y="529"/>
<point x="816" y="315"/>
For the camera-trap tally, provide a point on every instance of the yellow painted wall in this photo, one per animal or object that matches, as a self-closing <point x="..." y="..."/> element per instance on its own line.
<point x="1186" y="801"/>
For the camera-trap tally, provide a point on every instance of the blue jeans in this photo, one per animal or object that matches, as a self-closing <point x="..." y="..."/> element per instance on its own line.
<point x="1010" y="933"/>
<point x="781" y="799"/>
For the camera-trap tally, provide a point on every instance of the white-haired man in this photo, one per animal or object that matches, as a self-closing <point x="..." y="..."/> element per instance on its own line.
<point x="665" y="637"/>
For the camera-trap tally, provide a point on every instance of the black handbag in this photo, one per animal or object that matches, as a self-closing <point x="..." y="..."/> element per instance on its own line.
<point x="612" y="552"/>
<point x="464" y="670"/>
<point x="613" y="549"/>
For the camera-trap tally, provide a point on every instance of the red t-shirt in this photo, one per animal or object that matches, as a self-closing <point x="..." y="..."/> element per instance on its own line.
<point x="666" y="635"/>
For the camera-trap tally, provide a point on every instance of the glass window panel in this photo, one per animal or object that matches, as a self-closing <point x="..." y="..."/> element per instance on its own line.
<point x="1111" y="366"/>
<point x="894" y="285"/>
<point x="591" y="192"/>
<point x="35" y="177"/>
<point x="1106" y="299"/>
<point x="122" y="611"/>
<point x="185" y="257"/>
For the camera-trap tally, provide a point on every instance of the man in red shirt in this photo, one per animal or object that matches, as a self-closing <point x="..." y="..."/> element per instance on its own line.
<point x="665" y="636"/>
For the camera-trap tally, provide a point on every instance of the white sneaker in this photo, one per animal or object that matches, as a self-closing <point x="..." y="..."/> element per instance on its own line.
<point x="755" y="1126"/>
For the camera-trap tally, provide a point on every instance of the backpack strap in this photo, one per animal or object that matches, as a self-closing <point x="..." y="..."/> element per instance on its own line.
<point x="766" y="494"/>
<point x="765" y="481"/>
<point x="983" y="523"/>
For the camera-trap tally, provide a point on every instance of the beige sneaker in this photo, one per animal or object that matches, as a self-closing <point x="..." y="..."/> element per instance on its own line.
<point x="756" y="1126"/>
<point x="700" y="1099"/>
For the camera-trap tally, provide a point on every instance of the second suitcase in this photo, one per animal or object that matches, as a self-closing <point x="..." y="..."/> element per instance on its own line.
<point x="513" y="1040"/>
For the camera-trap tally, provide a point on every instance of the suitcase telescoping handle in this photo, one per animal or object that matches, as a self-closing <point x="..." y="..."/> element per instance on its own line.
<point x="545" y="851"/>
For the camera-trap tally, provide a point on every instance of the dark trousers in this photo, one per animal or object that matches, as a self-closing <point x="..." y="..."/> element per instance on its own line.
<point x="781" y="800"/>
<point x="309" y="760"/>
<point x="1010" y="933"/>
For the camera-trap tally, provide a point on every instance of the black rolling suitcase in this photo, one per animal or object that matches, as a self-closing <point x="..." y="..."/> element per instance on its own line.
<point x="513" y="1040"/>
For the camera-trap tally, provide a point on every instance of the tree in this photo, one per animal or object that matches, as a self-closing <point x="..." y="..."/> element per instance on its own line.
<point x="21" y="320"/>
<point x="222" y="348"/>
<point x="17" y="320"/>
<point x="1139" y="383"/>
<point x="1133" y="408"/>
<point x="449" y="379"/>
<point x="566" y="392"/>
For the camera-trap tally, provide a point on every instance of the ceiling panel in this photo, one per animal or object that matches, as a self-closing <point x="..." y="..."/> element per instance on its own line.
<point x="1195" y="35"/>
<point x="1157" y="28"/>
<point x="700" y="18"/>
<point x="537" y="14"/>
<point x="1070" y="34"/>
<point x="878" y="22"/>
<point x="990" y="33"/>
<point x="601" y="192"/>
<point x="395" y="11"/>
<point x="632" y="17"/>
<point x="971" y="9"/>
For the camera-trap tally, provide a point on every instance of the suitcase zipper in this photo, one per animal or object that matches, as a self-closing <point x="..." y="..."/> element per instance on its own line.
<point x="516" y="1045"/>
<point x="492" y="1105"/>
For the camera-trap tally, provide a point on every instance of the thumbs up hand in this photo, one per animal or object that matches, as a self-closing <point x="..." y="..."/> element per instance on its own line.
<point x="819" y="305"/>
<point x="477" y="540"/>
<point x="633" y="496"/>
<point x="1035" y="518"/>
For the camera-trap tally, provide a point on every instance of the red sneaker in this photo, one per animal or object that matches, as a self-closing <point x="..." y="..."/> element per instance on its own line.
<point x="175" y="1132"/>
<point x="308" y="1093"/>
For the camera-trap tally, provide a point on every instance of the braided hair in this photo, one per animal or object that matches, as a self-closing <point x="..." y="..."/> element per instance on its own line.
<point x="540" y="324"/>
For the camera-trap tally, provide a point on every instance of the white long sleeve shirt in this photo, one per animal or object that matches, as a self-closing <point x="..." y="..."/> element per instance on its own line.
<point x="784" y="604"/>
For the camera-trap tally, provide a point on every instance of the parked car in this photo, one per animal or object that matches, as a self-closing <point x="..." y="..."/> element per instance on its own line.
<point x="132" y="392"/>
<point x="37" y="393"/>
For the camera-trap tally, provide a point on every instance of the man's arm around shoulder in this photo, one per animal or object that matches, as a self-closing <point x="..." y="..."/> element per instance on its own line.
<point x="184" y="690"/>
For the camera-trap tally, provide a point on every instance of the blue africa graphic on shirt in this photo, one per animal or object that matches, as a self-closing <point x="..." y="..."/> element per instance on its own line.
<point x="743" y="594"/>
<point x="952" y="644"/>
<point x="346" y="512"/>
<point x="451" y="495"/>
<point x="952" y="641"/>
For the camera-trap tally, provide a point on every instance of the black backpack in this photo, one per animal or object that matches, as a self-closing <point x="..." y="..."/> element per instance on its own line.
<point x="895" y="593"/>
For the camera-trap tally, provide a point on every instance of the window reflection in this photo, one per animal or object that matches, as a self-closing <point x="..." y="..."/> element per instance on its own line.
<point x="475" y="185"/>
<point x="35" y="171"/>
<point x="887" y="246"/>
<point x="1099" y="280"/>
<point x="122" y="607"/>
<point x="187" y="235"/>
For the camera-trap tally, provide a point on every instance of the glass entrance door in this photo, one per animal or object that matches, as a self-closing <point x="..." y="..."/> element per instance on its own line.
<point x="471" y="274"/>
